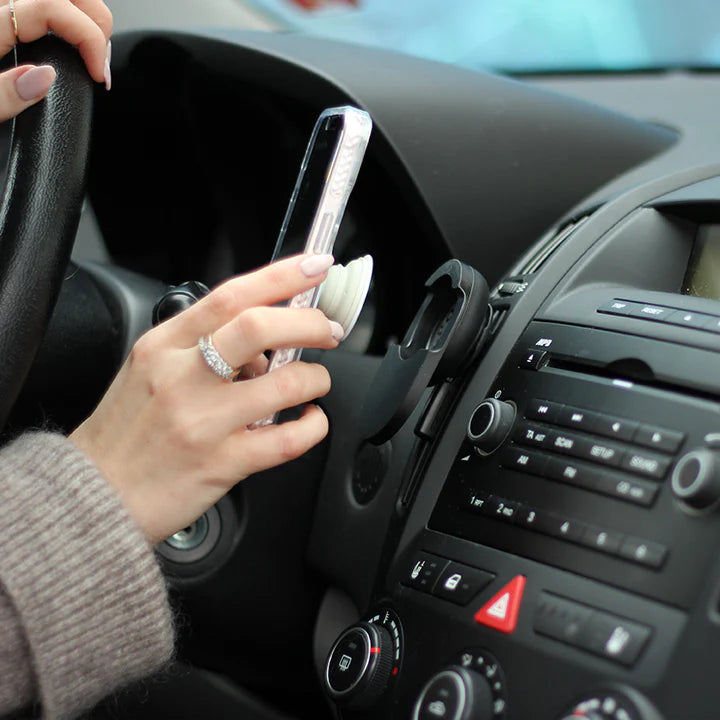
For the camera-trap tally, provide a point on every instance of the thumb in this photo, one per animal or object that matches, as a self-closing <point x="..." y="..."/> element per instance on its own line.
<point x="22" y="87"/>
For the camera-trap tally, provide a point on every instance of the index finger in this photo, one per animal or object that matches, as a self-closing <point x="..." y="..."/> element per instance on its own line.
<point x="269" y="285"/>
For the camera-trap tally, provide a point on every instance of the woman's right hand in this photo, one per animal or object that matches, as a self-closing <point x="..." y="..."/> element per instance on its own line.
<point x="172" y="437"/>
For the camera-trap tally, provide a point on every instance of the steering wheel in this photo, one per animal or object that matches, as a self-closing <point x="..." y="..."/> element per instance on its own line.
<point x="40" y="208"/>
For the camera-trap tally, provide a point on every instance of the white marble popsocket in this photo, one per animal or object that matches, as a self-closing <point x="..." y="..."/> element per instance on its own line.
<point x="343" y="293"/>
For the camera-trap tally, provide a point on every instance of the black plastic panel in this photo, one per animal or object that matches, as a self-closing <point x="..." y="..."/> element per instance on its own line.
<point x="690" y="540"/>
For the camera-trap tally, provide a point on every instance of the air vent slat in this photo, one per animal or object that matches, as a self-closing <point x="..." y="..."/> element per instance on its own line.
<point x="547" y="246"/>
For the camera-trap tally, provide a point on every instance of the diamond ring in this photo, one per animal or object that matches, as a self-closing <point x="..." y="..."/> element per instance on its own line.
<point x="215" y="360"/>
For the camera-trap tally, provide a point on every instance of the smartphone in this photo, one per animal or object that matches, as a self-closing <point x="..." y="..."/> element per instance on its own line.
<point x="327" y="175"/>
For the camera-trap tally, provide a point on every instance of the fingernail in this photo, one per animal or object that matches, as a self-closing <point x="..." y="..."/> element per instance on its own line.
<point x="35" y="82"/>
<point x="316" y="264"/>
<point x="337" y="330"/>
<point x="108" y="74"/>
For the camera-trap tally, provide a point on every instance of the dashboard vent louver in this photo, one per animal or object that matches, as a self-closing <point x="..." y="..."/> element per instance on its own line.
<point x="546" y="246"/>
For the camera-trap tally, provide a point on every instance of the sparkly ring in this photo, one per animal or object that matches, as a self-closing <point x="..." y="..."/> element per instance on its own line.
<point x="215" y="360"/>
<point x="14" y="20"/>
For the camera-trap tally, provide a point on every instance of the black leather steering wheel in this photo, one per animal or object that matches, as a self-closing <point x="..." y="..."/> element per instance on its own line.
<point x="40" y="208"/>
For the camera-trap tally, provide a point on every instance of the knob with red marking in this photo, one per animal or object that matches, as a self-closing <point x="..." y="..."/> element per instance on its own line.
<point x="359" y="665"/>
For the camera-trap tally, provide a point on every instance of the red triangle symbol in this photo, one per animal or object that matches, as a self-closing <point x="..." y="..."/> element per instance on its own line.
<point x="501" y="610"/>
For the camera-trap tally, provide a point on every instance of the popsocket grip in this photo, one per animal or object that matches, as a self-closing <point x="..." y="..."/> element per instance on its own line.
<point x="343" y="293"/>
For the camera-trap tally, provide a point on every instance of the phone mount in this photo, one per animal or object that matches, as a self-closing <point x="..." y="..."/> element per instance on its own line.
<point x="443" y="339"/>
<point x="343" y="293"/>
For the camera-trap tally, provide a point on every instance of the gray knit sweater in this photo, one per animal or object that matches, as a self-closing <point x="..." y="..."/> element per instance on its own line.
<point x="83" y="606"/>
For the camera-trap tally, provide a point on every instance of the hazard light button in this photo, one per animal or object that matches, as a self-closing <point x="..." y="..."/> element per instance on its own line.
<point x="501" y="611"/>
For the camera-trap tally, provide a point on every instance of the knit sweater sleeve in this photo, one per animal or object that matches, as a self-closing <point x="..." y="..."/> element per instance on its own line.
<point x="83" y="605"/>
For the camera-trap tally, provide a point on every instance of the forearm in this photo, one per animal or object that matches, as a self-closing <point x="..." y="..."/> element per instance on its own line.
<point x="84" y="609"/>
<point x="16" y="682"/>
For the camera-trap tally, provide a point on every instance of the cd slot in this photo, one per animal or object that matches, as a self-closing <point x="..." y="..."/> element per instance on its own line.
<point x="631" y="370"/>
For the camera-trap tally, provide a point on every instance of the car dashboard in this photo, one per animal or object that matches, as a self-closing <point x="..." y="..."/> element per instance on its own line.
<point x="537" y="539"/>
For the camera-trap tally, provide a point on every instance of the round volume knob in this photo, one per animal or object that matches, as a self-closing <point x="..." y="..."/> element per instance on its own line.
<point x="455" y="694"/>
<point x="490" y="424"/>
<point x="359" y="665"/>
<point x="696" y="479"/>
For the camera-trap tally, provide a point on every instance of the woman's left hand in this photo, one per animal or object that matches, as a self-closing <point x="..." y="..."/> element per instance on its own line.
<point x="87" y="24"/>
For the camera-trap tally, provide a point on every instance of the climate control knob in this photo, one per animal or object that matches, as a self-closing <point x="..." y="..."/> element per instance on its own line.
<point x="455" y="694"/>
<point x="696" y="479"/>
<point x="490" y="423"/>
<point x="616" y="703"/>
<point x="359" y="665"/>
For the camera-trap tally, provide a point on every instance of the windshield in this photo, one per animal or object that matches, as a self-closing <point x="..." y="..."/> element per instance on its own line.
<point x="521" y="36"/>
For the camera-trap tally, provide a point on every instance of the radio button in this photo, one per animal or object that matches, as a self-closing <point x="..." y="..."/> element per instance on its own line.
<point x="531" y="519"/>
<point x="571" y="530"/>
<point x="618" y="307"/>
<point x="614" y="427"/>
<point x="533" y="359"/>
<point x="607" y="541"/>
<point x="478" y="501"/>
<point x="689" y="319"/>
<point x="501" y="509"/>
<point x="543" y="410"/>
<point x="651" y="312"/>
<point x="533" y="435"/>
<point x="566" y="443"/>
<point x="576" y="418"/>
<point x="647" y="553"/>
<point x="572" y="473"/>
<point x="599" y="452"/>
<point x="527" y="461"/>
<point x="645" y="464"/>
<point x="635" y="491"/>
<point x="659" y="438"/>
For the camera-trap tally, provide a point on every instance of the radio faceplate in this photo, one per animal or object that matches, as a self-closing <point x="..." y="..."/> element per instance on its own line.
<point x="583" y="481"/>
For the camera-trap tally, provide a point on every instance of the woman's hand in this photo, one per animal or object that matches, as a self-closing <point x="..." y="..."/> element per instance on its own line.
<point x="172" y="437"/>
<point x="86" y="24"/>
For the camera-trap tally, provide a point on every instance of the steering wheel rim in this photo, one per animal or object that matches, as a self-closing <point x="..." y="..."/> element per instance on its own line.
<point x="40" y="208"/>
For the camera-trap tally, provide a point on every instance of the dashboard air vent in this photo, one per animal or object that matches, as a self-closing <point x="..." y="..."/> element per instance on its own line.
<point x="546" y="246"/>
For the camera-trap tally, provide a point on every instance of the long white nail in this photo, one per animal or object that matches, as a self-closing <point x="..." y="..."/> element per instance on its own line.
<point x="108" y="73"/>
<point x="316" y="265"/>
<point x="337" y="330"/>
<point x="35" y="82"/>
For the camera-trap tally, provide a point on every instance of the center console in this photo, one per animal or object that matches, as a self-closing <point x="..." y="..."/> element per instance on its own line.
<point x="558" y="555"/>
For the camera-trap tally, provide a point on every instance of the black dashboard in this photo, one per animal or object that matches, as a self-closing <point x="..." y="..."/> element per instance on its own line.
<point x="560" y="555"/>
<point x="537" y="539"/>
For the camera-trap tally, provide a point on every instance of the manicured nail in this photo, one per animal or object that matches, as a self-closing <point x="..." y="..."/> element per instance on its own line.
<point x="35" y="82"/>
<point x="316" y="264"/>
<point x="337" y="330"/>
<point x="108" y="74"/>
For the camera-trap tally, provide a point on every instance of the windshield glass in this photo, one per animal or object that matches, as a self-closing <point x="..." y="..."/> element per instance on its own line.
<point x="520" y="36"/>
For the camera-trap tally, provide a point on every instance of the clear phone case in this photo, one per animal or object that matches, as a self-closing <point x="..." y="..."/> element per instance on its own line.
<point x="350" y="128"/>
